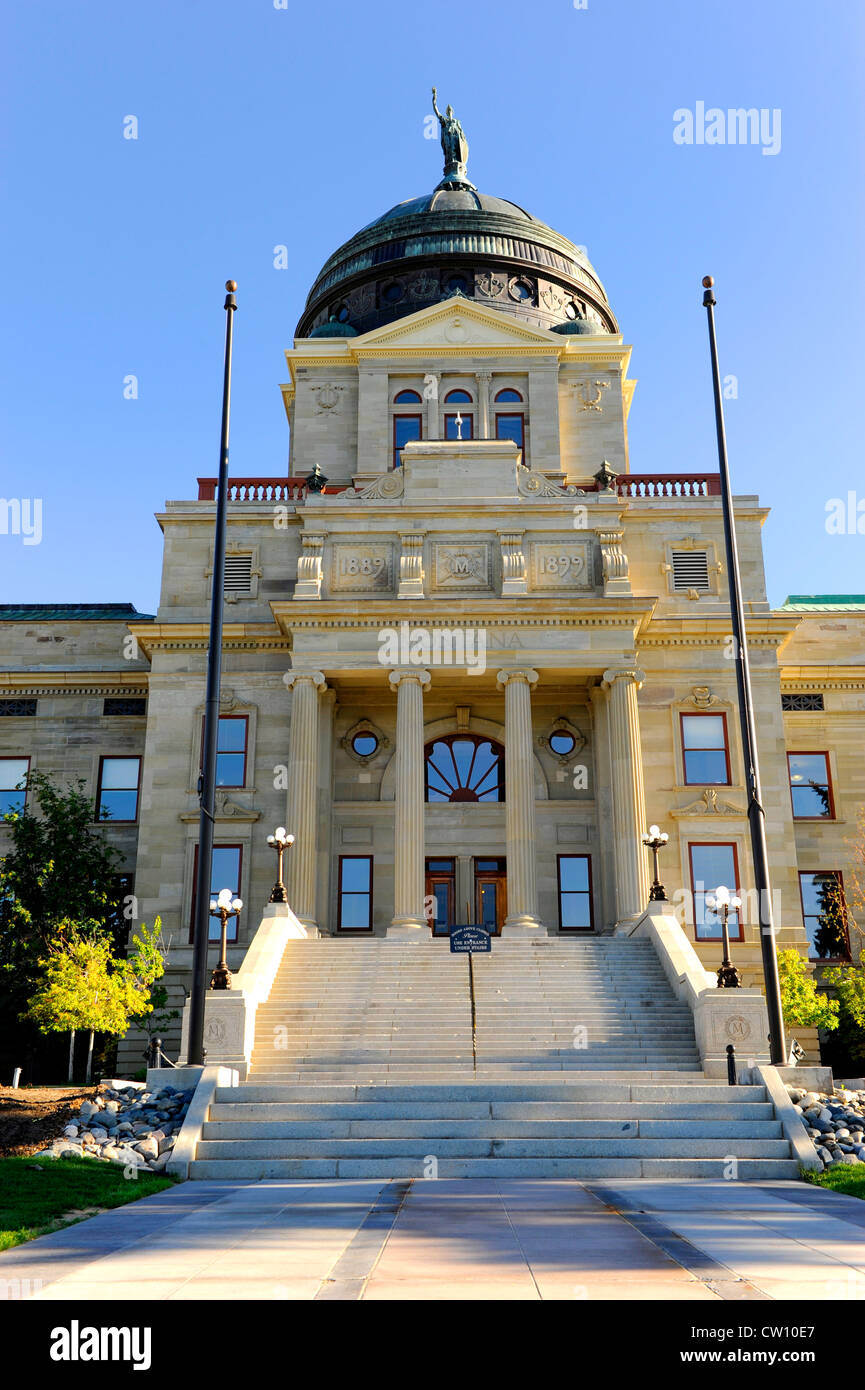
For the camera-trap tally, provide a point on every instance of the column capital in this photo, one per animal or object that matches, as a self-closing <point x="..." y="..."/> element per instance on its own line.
<point x="291" y="678"/>
<point x="403" y="673"/>
<point x="631" y="673"/>
<point x="524" y="673"/>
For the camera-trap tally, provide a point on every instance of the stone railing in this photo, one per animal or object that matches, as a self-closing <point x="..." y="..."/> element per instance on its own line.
<point x="670" y="485"/>
<point x="255" y="489"/>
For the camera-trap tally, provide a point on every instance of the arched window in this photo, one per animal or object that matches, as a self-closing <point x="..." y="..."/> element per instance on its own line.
<point x="465" y="427"/>
<point x="458" y="397"/>
<point x="406" y="425"/>
<point x="465" y="767"/>
<point x="407" y="398"/>
<point x="508" y="397"/>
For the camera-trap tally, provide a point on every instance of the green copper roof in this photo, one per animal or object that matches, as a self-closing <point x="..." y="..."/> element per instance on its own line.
<point x="824" y="603"/>
<point x="71" y="613"/>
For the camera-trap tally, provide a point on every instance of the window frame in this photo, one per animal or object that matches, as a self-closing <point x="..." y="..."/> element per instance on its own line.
<point x="512" y="415"/>
<point x="735" y="890"/>
<point x="459" y="391"/>
<point x="228" y="786"/>
<point x="591" y="892"/>
<point x="18" y="758"/>
<point x="839" y="878"/>
<point x="118" y="757"/>
<point x="396" y="460"/>
<point x="704" y="714"/>
<point x="355" y="931"/>
<point x="414" y="397"/>
<point x="232" y="934"/>
<point x="478" y="740"/>
<point x="812" y="753"/>
<point x="505" y="390"/>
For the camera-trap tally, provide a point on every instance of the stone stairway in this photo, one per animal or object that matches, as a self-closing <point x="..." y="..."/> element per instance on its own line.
<point x="556" y="1058"/>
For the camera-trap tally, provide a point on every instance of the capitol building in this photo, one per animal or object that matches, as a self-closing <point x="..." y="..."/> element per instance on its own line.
<point x="471" y="649"/>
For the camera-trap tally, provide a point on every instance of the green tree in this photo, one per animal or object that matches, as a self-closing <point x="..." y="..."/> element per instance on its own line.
<point x="848" y="982"/>
<point x="58" y="879"/>
<point x="803" y="1005"/>
<point x="85" y="986"/>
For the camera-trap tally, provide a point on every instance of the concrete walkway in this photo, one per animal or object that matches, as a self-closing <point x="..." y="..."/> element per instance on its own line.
<point x="469" y="1239"/>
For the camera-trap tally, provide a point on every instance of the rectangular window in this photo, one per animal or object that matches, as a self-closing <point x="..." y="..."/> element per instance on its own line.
<point x="13" y="707"/>
<point x="405" y="427"/>
<point x="575" y="892"/>
<point x="117" y="793"/>
<point x="510" y="427"/>
<point x="825" y="914"/>
<point x="712" y="867"/>
<point x="124" y="705"/>
<point x="231" y="747"/>
<point x="13" y="775"/>
<point x="467" y="430"/>
<point x="225" y="873"/>
<point x="355" y="892"/>
<point x="705" y="754"/>
<point x="810" y="786"/>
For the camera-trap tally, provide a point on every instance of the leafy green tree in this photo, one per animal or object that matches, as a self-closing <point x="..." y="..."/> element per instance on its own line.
<point x="85" y="986"/>
<point x="848" y="982"/>
<point x="58" y="879"/>
<point x="803" y="1005"/>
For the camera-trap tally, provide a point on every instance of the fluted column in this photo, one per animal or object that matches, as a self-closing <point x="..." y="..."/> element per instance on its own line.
<point x="629" y="803"/>
<point x="522" y="918"/>
<point x="408" y="830"/>
<point x="302" y="799"/>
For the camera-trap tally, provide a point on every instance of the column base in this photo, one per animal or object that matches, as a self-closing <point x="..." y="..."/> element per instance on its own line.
<point x="523" y="925"/>
<point x="408" y="929"/>
<point x="310" y="926"/>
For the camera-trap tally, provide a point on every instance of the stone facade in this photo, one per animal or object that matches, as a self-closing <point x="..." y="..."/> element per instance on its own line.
<point x="480" y="589"/>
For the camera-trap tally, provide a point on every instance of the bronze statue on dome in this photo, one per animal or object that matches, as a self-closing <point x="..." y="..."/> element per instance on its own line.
<point x="455" y="146"/>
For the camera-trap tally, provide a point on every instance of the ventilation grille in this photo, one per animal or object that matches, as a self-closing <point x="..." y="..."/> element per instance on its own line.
<point x="690" y="569"/>
<point x="124" y="705"/>
<point x="17" y="707"/>
<point x="793" y="702"/>
<point x="238" y="574"/>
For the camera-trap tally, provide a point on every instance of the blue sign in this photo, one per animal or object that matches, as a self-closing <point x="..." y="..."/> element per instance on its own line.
<point x="470" y="940"/>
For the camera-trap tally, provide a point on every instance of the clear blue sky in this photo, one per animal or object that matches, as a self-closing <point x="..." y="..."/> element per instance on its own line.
<point x="261" y="126"/>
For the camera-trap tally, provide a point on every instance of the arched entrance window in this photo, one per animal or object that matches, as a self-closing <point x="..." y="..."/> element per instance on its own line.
<point x="465" y="767"/>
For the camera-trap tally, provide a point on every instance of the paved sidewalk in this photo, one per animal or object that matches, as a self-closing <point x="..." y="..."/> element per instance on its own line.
<point x="458" y="1240"/>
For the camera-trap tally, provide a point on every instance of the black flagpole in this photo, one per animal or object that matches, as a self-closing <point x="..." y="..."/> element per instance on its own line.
<point x="756" y="813"/>
<point x="207" y="780"/>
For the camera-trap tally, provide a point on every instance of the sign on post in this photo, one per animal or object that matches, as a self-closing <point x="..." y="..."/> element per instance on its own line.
<point x="470" y="940"/>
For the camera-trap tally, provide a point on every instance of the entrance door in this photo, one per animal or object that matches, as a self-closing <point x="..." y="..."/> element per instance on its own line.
<point x="491" y="896"/>
<point x="441" y="887"/>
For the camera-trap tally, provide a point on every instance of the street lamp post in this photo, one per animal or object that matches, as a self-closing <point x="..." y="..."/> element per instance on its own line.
<point x="721" y="902"/>
<point x="655" y="840"/>
<point x="756" y="813"/>
<point x="280" y="841"/>
<point x="225" y="906"/>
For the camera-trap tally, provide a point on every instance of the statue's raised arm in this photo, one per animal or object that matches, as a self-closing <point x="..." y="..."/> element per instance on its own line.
<point x="435" y="108"/>
<point x="455" y="146"/>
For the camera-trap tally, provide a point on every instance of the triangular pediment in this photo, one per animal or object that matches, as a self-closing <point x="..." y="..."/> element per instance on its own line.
<point x="457" y="322"/>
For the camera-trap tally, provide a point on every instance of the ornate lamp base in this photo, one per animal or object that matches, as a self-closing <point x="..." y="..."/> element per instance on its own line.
<point x="729" y="977"/>
<point x="221" y="977"/>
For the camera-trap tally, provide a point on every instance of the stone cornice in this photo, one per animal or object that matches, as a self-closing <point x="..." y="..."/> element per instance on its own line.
<point x="68" y="683"/>
<point x="154" y="637"/>
<point x="446" y="611"/>
<point x="816" y="678"/>
<point x="763" y="630"/>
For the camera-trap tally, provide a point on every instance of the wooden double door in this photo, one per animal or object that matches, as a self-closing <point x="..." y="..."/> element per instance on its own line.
<point x="487" y="904"/>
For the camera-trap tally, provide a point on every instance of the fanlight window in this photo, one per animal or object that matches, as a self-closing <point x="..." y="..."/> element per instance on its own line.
<point x="464" y="767"/>
<point x="406" y="398"/>
<point x="458" y="397"/>
<point x="509" y="396"/>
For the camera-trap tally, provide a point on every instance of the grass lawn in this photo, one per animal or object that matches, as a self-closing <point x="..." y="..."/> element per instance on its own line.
<point x="34" y="1202"/>
<point x="844" y="1178"/>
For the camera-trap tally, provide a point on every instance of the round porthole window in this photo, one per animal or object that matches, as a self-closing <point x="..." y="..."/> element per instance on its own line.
<point x="521" y="289"/>
<point x="457" y="282"/>
<point x="342" y="314"/>
<point x="364" y="744"/>
<point x="392" y="293"/>
<point x="562" y="742"/>
<point x="571" y="310"/>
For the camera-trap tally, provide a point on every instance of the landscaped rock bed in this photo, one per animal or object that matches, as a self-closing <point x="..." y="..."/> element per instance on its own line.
<point x="836" y="1123"/>
<point x="125" y="1123"/>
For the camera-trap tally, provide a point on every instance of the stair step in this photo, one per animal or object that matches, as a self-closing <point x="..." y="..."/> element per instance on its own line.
<point x="753" y="1169"/>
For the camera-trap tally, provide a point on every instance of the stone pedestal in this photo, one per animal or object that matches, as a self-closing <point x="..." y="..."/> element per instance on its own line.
<point x="409" y="921"/>
<point x="522" y="918"/>
<point x="628" y="801"/>
<point x="302" y="800"/>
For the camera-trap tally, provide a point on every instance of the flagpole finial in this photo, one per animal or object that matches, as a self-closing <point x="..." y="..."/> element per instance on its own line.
<point x="231" y="286"/>
<point x="708" y="282"/>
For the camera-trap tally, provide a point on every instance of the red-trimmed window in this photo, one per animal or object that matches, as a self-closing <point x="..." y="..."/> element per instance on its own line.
<point x="575" y="892"/>
<point x="713" y="866"/>
<point x="232" y="738"/>
<point x="811" y="786"/>
<point x="355" y="892"/>
<point x="13" y="788"/>
<point x="464" y="430"/>
<point x="405" y="427"/>
<point x="824" y="911"/>
<point x="117" y="792"/>
<point x="225" y="872"/>
<point x="511" y="425"/>
<point x="407" y="398"/>
<point x="705" y="749"/>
